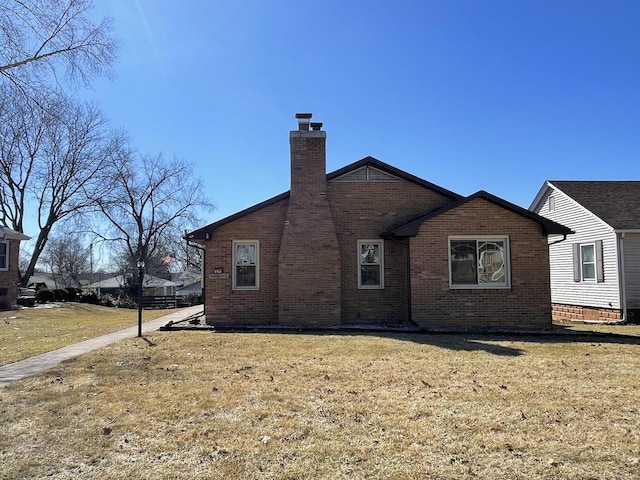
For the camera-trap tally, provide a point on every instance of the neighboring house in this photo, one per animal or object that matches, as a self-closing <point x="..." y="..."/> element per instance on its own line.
<point x="9" y="272"/>
<point x="595" y="274"/>
<point x="372" y="245"/>
<point x="49" y="280"/>
<point x="151" y="286"/>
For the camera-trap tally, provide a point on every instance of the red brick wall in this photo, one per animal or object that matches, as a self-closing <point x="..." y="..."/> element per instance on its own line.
<point x="309" y="258"/>
<point x="227" y="306"/>
<point x="359" y="211"/>
<point x="9" y="278"/>
<point x="526" y="304"/>
<point x="362" y="211"/>
<point x="579" y="313"/>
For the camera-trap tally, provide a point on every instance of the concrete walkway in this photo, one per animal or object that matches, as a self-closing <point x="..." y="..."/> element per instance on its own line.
<point x="39" y="363"/>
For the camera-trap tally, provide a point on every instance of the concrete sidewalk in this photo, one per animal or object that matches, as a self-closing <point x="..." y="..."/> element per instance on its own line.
<point x="39" y="363"/>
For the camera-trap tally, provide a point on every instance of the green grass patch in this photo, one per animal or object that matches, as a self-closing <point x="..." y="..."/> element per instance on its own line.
<point x="30" y="331"/>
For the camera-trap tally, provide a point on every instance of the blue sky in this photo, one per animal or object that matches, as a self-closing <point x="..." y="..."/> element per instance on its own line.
<point x="470" y="95"/>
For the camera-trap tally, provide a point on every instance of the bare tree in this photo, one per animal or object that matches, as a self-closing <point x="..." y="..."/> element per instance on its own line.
<point x="67" y="257"/>
<point x="152" y="202"/>
<point x="22" y="130"/>
<point x="53" y="166"/>
<point x="42" y="41"/>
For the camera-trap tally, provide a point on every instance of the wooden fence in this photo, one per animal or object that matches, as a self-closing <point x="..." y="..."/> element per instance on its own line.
<point x="159" y="301"/>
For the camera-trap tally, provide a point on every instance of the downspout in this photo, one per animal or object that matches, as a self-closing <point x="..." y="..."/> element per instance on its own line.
<point x="408" y="260"/>
<point x="564" y="237"/>
<point x="623" y="280"/>
<point x="202" y="268"/>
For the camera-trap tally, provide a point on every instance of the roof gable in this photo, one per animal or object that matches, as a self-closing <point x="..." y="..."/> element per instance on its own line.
<point x="381" y="171"/>
<point x="367" y="169"/>
<point x="617" y="203"/>
<point x="549" y="227"/>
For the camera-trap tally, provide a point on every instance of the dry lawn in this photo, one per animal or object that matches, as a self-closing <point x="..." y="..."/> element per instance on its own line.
<point x="184" y="405"/>
<point x="31" y="331"/>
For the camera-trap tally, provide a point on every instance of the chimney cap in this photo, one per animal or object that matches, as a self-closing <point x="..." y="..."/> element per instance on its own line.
<point x="316" y="125"/>
<point x="304" y="115"/>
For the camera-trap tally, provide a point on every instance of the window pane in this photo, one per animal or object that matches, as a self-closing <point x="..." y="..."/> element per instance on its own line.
<point x="492" y="262"/>
<point x="370" y="275"/>
<point x="369" y="254"/>
<point x="246" y="265"/>
<point x="588" y="257"/>
<point x="463" y="262"/>
<point x="3" y="255"/>
<point x="588" y="253"/>
<point x="245" y="254"/>
<point x="245" y="276"/>
<point x="588" y="271"/>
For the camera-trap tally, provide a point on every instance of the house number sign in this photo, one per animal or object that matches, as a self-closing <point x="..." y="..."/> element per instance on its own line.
<point x="218" y="273"/>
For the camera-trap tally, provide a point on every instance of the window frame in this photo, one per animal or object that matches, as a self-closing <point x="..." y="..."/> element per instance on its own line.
<point x="598" y="262"/>
<point x="235" y="244"/>
<point x="593" y="279"/>
<point x="380" y="244"/>
<point x="481" y="286"/>
<point x="5" y="267"/>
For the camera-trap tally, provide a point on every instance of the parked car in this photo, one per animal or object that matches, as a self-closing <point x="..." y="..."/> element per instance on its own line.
<point x="27" y="297"/>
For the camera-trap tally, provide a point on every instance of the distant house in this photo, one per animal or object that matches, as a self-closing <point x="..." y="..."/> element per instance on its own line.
<point x="9" y="272"/>
<point x="371" y="245"/>
<point x="595" y="274"/>
<point x="152" y="286"/>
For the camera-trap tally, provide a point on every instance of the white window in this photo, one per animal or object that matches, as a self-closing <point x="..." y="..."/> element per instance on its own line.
<point x="245" y="265"/>
<point x="588" y="262"/>
<point x="370" y="264"/>
<point x="4" y="255"/>
<point x="479" y="262"/>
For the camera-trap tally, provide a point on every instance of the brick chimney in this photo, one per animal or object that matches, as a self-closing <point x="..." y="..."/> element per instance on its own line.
<point x="309" y="260"/>
<point x="308" y="158"/>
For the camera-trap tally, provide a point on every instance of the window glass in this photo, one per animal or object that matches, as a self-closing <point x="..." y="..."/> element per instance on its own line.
<point x="3" y="256"/>
<point x="463" y="262"/>
<point x="588" y="261"/>
<point x="492" y="262"/>
<point x="479" y="262"/>
<point x="370" y="264"/>
<point x="246" y="265"/>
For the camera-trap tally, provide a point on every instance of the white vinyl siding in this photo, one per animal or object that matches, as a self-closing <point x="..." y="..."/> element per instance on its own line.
<point x="589" y="229"/>
<point x="631" y="246"/>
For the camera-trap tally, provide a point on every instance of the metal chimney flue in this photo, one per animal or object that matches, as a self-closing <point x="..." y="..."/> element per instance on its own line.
<point x="303" y="121"/>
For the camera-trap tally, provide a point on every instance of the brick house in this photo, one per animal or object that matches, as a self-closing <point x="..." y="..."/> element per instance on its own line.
<point x="9" y="273"/>
<point x="372" y="245"/>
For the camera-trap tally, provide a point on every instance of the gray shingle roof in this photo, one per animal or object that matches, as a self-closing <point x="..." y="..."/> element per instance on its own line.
<point x="615" y="202"/>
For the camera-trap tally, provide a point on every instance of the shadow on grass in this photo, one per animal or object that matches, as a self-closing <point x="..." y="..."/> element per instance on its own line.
<point x="489" y="342"/>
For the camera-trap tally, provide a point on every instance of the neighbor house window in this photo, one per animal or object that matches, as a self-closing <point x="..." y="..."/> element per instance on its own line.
<point x="587" y="262"/>
<point x="479" y="262"/>
<point x="370" y="264"/>
<point x="245" y="265"/>
<point x="4" y="255"/>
